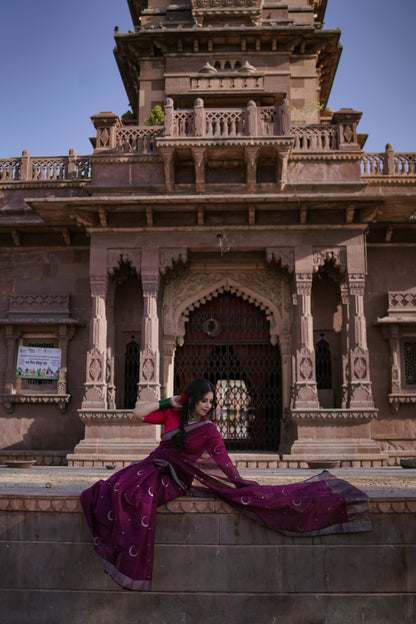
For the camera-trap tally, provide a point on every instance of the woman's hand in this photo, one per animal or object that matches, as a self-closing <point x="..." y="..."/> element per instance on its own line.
<point x="175" y="401"/>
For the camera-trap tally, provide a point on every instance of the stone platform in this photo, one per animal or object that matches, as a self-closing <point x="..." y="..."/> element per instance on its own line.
<point x="212" y="564"/>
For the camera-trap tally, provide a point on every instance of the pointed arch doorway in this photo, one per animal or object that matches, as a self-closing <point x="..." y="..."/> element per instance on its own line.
<point x="227" y="340"/>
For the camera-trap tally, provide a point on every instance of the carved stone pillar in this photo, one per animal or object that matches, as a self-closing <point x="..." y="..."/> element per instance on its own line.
<point x="111" y="388"/>
<point x="167" y="155"/>
<point x="251" y="160"/>
<point x="169" y="112"/>
<point x="95" y="396"/>
<point x="198" y="154"/>
<point x="106" y="125"/>
<point x="167" y="365"/>
<point x="359" y="391"/>
<point x="283" y="160"/>
<point x="345" y="337"/>
<point x="285" y="343"/>
<point x="149" y="385"/>
<point x="305" y="389"/>
<point x="199" y="117"/>
<point x="287" y="433"/>
<point x="9" y="382"/>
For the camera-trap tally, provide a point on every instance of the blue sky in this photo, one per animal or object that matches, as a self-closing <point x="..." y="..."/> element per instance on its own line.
<point x="58" y="69"/>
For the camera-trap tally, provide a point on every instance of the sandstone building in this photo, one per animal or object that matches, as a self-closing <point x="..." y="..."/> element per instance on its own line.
<point x="249" y="239"/>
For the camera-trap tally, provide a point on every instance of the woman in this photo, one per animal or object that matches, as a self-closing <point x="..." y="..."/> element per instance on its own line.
<point x="191" y="458"/>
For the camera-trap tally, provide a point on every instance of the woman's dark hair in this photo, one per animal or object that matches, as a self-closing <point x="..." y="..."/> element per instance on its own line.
<point x="194" y="391"/>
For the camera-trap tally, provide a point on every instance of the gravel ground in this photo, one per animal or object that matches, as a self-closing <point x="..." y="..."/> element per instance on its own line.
<point x="58" y="480"/>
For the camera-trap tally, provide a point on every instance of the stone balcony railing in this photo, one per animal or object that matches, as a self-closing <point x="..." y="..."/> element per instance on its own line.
<point x="389" y="163"/>
<point x="219" y="123"/>
<point x="210" y="125"/>
<point x="46" y="168"/>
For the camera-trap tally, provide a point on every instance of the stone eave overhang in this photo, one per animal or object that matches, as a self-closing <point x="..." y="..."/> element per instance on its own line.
<point x="94" y="211"/>
<point x="207" y="142"/>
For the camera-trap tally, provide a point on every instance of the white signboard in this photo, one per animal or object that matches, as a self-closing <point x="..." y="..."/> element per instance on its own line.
<point x="38" y="363"/>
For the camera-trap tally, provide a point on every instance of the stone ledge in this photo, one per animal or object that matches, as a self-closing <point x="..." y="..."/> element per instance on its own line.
<point x="42" y="458"/>
<point x="379" y="504"/>
<point x="346" y="461"/>
<point x="241" y="460"/>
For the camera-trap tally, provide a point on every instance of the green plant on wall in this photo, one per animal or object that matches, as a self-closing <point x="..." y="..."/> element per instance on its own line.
<point x="156" y="117"/>
<point x="307" y="112"/>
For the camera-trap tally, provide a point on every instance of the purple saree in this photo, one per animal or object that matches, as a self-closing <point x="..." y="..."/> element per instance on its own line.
<point x="121" y="511"/>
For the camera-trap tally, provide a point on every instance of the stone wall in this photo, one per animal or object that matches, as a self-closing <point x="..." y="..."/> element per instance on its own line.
<point x="211" y="565"/>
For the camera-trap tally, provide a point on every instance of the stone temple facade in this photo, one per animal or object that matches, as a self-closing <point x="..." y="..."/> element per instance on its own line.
<point x="248" y="238"/>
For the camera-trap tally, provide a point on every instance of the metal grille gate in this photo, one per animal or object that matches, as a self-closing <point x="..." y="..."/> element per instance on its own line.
<point x="227" y="341"/>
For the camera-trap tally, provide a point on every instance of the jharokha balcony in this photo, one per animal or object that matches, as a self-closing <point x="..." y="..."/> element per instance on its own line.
<point x="254" y="146"/>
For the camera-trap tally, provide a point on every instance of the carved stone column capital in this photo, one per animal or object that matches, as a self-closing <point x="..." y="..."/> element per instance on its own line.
<point x="303" y="283"/>
<point x="150" y="284"/>
<point x="99" y="285"/>
<point x="356" y="283"/>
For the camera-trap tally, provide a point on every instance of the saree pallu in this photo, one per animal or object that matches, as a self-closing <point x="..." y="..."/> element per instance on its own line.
<point x="121" y="511"/>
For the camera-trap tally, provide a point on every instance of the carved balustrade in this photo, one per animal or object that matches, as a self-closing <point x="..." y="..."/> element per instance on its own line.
<point x="223" y="123"/>
<point x="389" y="163"/>
<point x="140" y="139"/>
<point x="46" y="168"/>
<point x="314" y="138"/>
<point x="10" y="170"/>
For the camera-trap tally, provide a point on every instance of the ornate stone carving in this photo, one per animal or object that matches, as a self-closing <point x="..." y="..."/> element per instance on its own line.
<point x="284" y="255"/>
<point x="335" y="255"/>
<point x="360" y="393"/>
<point x="150" y="285"/>
<point x="402" y="301"/>
<point x="39" y="304"/>
<point x="356" y="283"/>
<point x="94" y="394"/>
<point x="359" y="367"/>
<point x="266" y="290"/>
<point x="306" y="368"/>
<point x="115" y="257"/>
<point x="147" y="366"/>
<point x="304" y="393"/>
<point x="59" y="399"/>
<point x="303" y="283"/>
<point x="108" y="417"/>
<point x="169" y="256"/>
<point x="333" y="415"/>
<point x="397" y="399"/>
<point x="99" y="285"/>
<point x="95" y="361"/>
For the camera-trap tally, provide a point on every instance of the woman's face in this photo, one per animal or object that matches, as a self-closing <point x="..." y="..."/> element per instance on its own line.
<point x="203" y="406"/>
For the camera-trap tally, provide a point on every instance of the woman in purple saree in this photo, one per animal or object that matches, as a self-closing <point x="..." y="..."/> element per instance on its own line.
<point x="191" y="459"/>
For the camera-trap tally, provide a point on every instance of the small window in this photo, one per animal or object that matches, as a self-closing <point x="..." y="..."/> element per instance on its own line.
<point x="410" y="363"/>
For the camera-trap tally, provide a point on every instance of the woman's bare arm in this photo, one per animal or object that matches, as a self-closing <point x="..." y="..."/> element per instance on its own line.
<point x="144" y="408"/>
